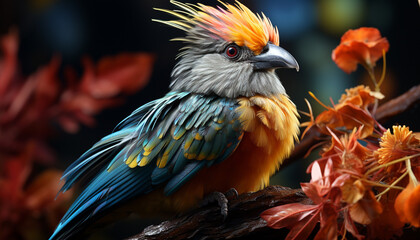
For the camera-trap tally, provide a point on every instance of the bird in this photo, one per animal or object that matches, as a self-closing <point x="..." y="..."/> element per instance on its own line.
<point x="226" y="123"/>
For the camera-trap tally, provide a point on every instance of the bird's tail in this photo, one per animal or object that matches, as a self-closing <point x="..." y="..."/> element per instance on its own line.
<point x="105" y="188"/>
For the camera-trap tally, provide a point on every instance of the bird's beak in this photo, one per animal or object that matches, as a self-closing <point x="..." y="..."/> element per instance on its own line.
<point x="275" y="57"/>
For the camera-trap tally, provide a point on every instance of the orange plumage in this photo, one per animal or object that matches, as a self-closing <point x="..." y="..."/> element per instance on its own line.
<point x="235" y="24"/>
<point x="271" y="126"/>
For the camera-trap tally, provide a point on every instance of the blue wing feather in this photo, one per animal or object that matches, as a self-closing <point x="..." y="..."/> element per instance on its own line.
<point x="179" y="134"/>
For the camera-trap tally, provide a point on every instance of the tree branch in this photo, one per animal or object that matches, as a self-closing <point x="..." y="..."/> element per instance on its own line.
<point x="243" y="219"/>
<point x="398" y="105"/>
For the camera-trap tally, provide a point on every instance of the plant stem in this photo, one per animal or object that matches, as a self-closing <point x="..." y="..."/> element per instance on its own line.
<point x="383" y="70"/>
<point x="390" y="163"/>
<point x="410" y="172"/>
<point x="376" y="184"/>
<point x="391" y="186"/>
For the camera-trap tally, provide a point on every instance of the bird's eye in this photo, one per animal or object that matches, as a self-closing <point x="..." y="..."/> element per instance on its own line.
<point x="232" y="51"/>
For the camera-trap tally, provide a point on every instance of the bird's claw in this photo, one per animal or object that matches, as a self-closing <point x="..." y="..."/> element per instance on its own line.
<point x="231" y="194"/>
<point x="221" y="199"/>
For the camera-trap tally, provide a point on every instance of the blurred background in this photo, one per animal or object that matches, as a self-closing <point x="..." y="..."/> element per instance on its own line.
<point x="310" y="30"/>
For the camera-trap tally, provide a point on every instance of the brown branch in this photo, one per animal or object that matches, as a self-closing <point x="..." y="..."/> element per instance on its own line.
<point x="399" y="104"/>
<point x="243" y="219"/>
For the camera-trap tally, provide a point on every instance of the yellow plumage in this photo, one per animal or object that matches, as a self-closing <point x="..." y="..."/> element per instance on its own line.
<point x="271" y="126"/>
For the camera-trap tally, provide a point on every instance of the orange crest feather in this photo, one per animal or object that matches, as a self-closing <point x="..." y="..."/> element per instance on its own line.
<point x="236" y="23"/>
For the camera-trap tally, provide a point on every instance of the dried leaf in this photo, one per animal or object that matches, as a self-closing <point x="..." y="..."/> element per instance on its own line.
<point x="350" y="226"/>
<point x="366" y="209"/>
<point x="304" y="228"/>
<point x="287" y="215"/>
<point x="353" y="191"/>
<point x="328" y="220"/>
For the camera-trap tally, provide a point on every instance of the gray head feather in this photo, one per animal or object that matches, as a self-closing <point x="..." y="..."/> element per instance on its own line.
<point x="205" y="69"/>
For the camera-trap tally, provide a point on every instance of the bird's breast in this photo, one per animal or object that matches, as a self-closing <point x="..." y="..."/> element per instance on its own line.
<point x="270" y="127"/>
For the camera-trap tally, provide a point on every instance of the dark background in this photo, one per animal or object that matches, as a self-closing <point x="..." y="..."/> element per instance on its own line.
<point x="309" y="30"/>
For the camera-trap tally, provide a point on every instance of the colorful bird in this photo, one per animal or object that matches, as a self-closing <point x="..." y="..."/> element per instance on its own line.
<point x="227" y="122"/>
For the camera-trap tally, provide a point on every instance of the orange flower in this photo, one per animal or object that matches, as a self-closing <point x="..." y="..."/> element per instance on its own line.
<point x="394" y="146"/>
<point x="407" y="204"/>
<point x="360" y="96"/>
<point x="364" y="45"/>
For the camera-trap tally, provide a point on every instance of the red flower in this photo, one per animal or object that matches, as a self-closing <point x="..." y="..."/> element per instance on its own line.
<point x="364" y="45"/>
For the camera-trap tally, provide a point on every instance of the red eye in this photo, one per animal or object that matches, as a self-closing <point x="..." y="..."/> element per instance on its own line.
<point x="232" y="51"/>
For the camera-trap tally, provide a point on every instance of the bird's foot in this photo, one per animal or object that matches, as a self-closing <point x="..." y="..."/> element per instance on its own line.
<point x="221" y="199"/>
<point x="231" y="194"/>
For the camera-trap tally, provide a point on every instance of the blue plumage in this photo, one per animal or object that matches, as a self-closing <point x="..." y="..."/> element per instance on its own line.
<point x="166" y="141"/>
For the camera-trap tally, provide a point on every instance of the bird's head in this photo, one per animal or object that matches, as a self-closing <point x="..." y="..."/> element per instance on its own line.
<point x="230" y="51"/>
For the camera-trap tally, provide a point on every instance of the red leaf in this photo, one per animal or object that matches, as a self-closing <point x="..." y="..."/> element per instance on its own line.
<point x="328" y="219"/>
<point x="16" y="171"/>
<point x="21" y="99"/>
<point x="287" y="215"/>
<point x="311" y="190"/>
<point x="124" y="73"/>
<point x="316" y="173"/>
<point x="350" y="226"/>
<point x="48" y="86"/>
<point x="304" y="228"/>
<point x="42" y="191"/>
<point x="9" y="47"/>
